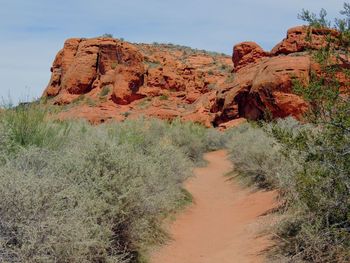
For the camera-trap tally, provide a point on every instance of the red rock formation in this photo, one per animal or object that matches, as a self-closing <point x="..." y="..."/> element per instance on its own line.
<point x="247" y="53"/>
<point x="114" y="77"/>
<point x="84" y="65"/>
<point x="232" y="123"/>
<point x="302" y="38"/>
<point x="105" y="78"/>
<point x="262" y="83"/>
<point x="262" y="88"/>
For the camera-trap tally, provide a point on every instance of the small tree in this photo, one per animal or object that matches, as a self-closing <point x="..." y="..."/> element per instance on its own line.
<point x="313" y="19"/>
<point x="107" y="35"/>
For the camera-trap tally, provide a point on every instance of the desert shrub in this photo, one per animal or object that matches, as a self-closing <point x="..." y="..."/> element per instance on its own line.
<point x="254" y="154"/>
<point x="105" y="90"/>
<point x="6" y="146"/>
<point x="192" y="139"/>
<point x="79" y="99"/>
<point x="113" y="66"/>
<point x="153" y="64"/>
<point x="214" y="140"/>
<point x="314" y="20"/>
<point x="342" y="25"/>
<point x="92" y="201"/>
<point x="98" y="196"/>
<point x="107" y="35"/>
<point x="91" y="102"/>
<point x="309" y="165"/>
<point x="210" y="72"/>
<point x="164" y="97"/>
<point x="317" y="230"/>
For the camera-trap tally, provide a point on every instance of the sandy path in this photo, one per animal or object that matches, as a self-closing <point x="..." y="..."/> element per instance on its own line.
<point x="222" y="224"/>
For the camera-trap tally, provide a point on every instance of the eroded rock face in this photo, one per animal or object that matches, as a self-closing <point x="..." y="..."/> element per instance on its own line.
<point x="105" y="78"/>
<point x="247" y="53"/>
<point x="124" y="80"/>
<point x="262" y="81"/>
<point x="84" y="65"/>
<point x="264" y="87"/>
<point x="302" y="38"/>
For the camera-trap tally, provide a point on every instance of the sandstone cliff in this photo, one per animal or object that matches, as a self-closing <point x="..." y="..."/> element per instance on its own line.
<point x="104" y="78"/>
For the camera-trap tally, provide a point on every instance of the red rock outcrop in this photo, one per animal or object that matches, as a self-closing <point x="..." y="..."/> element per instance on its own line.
<point x="115" y="79"/>
<point x="84" y="65"/>
<point x="303" y="38"/>
<point x="264" y="87"/>
<point x="104" y="78"/>
<point x="247" y="53"/>
<point x="262" y="82"/>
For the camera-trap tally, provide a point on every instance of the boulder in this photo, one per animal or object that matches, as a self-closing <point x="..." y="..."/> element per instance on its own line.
<point x="302" y="38"/>
<point x="264" y="88"/>
<point x="87" y="64"/>
<point x="247" y="53"/>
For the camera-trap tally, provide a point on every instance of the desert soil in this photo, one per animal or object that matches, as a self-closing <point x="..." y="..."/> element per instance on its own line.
<point x="224" y="223"/>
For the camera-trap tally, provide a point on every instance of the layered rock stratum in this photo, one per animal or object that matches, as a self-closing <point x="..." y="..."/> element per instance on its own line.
<point x="102" y="79"/>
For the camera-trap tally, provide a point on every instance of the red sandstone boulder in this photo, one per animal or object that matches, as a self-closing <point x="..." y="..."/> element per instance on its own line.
<point x="201" y="110"/>
<point x="264" y="88"/>
<point x="262" y="83"/>
<point x="232" y="124"/>
<point x="84" y="65"/>
<point x="302" y="38"/>
<point x="247" y="53"/>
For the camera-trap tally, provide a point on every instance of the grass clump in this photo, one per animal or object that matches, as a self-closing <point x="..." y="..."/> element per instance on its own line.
<point x="164" y="97"/>
<point x="153" y="64"/>
<point x="105" y="91"/>
<point x="25" y="126"/>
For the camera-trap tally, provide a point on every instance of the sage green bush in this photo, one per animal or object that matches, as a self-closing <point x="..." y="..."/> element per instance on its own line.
<point x="72" y="192"/>
<point x="258" y="156"/>
<point x="309" y="165"/>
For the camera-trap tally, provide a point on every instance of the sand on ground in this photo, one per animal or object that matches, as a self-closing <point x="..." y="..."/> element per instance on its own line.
<point x="223" y="223"/>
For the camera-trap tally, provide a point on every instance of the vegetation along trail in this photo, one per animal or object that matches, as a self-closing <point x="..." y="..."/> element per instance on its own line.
<point x="223" y="223"/>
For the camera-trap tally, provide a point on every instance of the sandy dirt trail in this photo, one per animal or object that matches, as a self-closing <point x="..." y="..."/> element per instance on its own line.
<point x="222" y="225"/>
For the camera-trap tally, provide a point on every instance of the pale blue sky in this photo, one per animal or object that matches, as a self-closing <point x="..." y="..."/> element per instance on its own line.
<point x="32" y="31"/>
